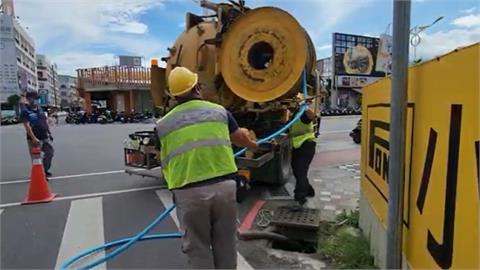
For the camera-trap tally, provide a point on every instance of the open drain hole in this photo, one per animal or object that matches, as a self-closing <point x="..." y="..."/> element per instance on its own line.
<point x="295" y="245"/>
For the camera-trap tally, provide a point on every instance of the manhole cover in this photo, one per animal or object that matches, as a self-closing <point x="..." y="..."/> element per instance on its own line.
<point x="303" y="218"/>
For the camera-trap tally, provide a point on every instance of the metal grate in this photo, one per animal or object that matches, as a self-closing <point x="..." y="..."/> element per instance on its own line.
<point x="302" y="218"/>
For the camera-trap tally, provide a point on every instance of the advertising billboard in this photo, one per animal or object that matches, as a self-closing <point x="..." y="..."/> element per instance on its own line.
<point x="355" y="60"/>
<point x="130" y="61"/>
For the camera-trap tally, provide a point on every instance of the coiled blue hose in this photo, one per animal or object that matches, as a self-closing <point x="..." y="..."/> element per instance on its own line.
<point x="141" y="236"/>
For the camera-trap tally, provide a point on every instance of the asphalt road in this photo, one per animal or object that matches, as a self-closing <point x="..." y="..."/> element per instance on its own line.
<point x="98" y="203"/>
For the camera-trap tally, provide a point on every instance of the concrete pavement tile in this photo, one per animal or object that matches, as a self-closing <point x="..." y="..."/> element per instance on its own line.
<point x="329" y="207"/>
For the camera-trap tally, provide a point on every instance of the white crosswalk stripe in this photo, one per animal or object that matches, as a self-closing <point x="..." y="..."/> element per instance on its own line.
<point x="83" y="230"/>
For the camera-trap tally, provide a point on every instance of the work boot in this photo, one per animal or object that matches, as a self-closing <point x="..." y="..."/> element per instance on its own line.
<point x="48" y="174"/>
<point x="311" y="191"/>
<point x="300" y="199"/>
<point x="295" y="207"/>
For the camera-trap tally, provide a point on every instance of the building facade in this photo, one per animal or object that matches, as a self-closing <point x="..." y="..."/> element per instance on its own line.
<point x="18" y="73"/>
<point x="69" y="96"/>
<point x="116" y="88"/>
<point x="47" y="82"/>
<point x="324" y="67"/>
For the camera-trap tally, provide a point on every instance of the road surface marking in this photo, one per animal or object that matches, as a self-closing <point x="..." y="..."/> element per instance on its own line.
<point x="252" y="214"/>
<point x="73" y="176"/>
<point x="166" y="198"/>
<point x="90" y="195"/>
<point x="83" y="230"/>
<point x="65" y="177"/>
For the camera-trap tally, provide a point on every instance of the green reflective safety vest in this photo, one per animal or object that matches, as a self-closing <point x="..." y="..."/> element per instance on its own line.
<point x="300" y="132"/>
<point x="195" y="143"/>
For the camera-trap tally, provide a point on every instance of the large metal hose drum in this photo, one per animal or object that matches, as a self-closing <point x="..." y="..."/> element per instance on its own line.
<point x="260" y="57"/>
<point x="264" y="54"/>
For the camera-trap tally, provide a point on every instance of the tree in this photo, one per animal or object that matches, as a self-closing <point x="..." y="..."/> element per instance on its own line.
<point x="13" y="101"/>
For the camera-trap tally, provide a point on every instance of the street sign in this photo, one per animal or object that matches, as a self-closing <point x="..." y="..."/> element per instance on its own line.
<point x="442" y="161"/>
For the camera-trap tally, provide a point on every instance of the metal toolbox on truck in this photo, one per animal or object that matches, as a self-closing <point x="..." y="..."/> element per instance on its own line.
<point x="141" y="150"/>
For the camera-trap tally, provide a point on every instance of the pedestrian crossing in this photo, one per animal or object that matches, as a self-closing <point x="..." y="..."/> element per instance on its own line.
<point x="47" y="235"/>
<point x="83" y="230"/>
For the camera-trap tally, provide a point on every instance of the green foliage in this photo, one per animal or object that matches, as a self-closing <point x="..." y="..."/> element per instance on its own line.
<point x="350" y="219"/>
<point x="348" y="250"/>
<point x="343" y="244"/>
<point x="13" y="100"/>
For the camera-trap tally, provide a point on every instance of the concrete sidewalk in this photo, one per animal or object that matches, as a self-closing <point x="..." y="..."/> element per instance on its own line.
<point x="337" y="188"/>
<point x="335" y="176"/>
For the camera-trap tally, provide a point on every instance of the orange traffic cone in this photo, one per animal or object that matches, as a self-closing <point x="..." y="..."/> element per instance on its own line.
<point x="38" y="191"/>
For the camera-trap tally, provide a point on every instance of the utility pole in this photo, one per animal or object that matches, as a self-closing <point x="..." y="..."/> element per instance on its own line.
<point x="54" y="73"/>
<point x="398" y="113"/>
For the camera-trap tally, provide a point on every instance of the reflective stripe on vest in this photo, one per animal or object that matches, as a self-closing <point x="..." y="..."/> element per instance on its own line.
<point x="189" y="146"/>
<point x="194" y="116"/>
<point x="300" y="132"/>
<point x="195" y="143"/>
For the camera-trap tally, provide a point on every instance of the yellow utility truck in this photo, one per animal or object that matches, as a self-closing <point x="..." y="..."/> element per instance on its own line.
<point x="251" y="61"/>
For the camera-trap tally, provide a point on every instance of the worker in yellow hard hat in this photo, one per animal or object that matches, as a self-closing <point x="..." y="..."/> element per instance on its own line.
<point x="197" y="159"/>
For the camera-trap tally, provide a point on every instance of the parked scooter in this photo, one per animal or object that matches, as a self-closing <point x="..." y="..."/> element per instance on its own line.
<point x="356" y="133"/>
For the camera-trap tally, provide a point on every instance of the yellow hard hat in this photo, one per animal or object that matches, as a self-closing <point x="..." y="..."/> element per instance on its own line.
<point x="181" y="80"/>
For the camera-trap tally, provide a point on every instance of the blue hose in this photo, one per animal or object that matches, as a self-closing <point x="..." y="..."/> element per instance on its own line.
<point x="141" y="236"/>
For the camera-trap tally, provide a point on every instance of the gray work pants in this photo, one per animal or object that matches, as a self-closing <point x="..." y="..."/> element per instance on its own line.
<point x="47" y="150"/>
<point x="208" y="221"/>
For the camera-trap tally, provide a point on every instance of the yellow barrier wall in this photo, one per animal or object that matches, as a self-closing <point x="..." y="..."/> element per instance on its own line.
<point x="442" y="186"/>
